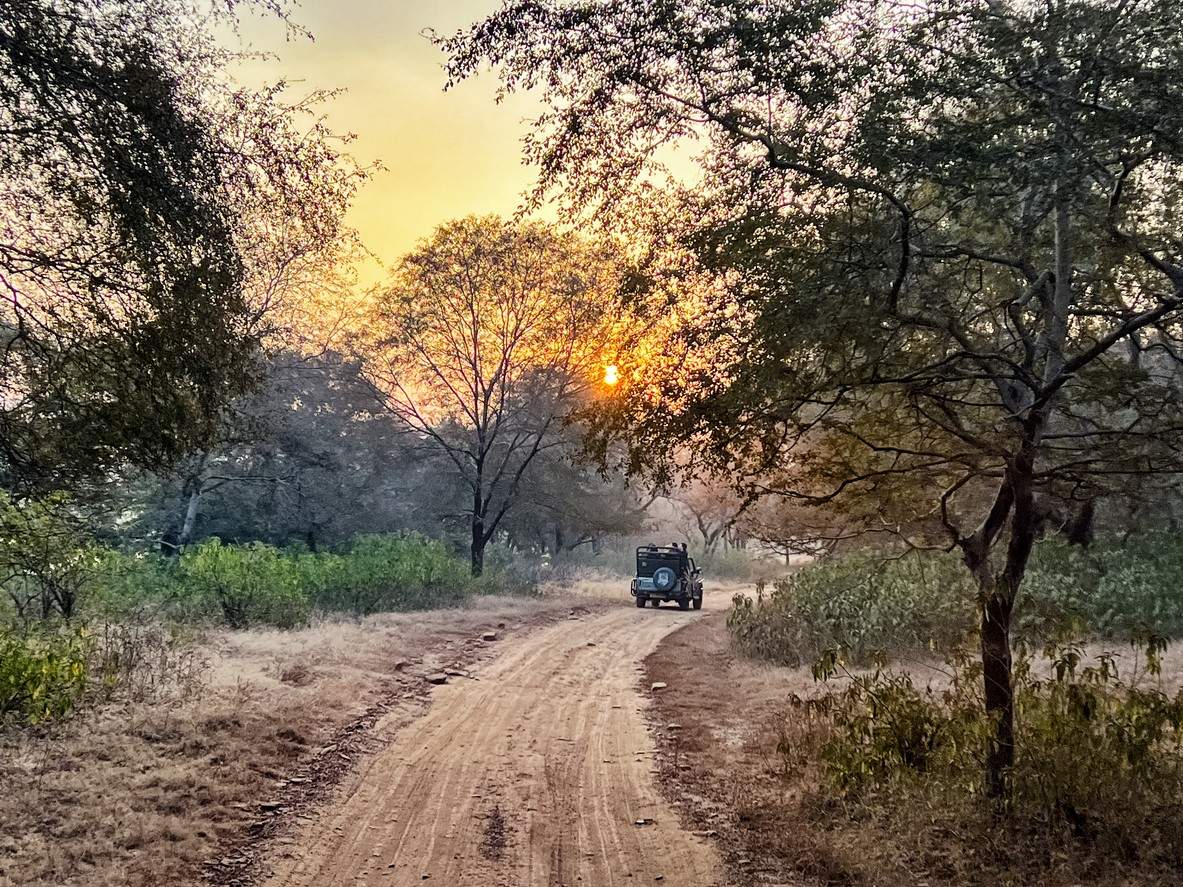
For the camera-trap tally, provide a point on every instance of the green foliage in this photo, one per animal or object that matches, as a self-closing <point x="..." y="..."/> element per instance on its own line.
<point x="859" y="604"/>
<point x="42" y="674"/>
<point x="509" y="572"/>
<point x="46" y="556"/>
<point x="1122" y="589"/>
<point x="387" y="573"/>
<point x="864" y="606"/>
<point x="125" y="584"/>
<point x="887" y="736"/>
<point x="246" y="584"/>
<point x="257" y="584"/>
<point x="51" y="569"/>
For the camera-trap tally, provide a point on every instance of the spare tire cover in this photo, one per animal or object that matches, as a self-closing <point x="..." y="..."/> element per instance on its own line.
<point x="664" y="578"/>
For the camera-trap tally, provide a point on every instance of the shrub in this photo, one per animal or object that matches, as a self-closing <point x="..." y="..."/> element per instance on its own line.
<point x="1121" y="589"/>
<point x="865" y="606"/>
<point x="509" y="572"/>
<point x="1097" y="758"/>
<point x="246" y="584"/>
<point x="125" y="585"/>
<point x="257" y="584"/>
<point x="387" y="573"/>
<point x="42" y="674"/>
<point x="145" y="660"/>
<point x="46" y="556"/>
<point x="859" y="604"/>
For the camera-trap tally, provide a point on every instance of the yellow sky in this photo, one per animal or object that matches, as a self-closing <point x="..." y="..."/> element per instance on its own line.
<point x="445" y="154"/>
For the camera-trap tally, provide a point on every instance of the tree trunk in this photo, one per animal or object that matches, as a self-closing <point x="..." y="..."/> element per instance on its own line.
<point x="998" y="595"/>
<point x="478" y="545"/>
<point x="999" y="687"/>
<point x="190" y="522"/>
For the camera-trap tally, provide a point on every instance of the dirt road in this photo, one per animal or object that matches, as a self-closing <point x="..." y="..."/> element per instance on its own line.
<point x="535" y="772"/>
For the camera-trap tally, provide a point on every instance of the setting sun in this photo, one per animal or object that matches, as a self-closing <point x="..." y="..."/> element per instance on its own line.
<point x="611" y="376"/>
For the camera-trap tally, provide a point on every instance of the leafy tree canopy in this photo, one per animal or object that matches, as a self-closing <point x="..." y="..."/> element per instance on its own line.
<point x="148" y="207"/>
<point x="943" y="239"/>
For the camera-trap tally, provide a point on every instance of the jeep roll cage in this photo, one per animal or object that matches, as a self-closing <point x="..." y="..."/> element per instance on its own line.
<point x="675" y="556"/>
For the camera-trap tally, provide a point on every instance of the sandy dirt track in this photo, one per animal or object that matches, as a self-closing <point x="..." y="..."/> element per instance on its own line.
<point x="533" y="772"/>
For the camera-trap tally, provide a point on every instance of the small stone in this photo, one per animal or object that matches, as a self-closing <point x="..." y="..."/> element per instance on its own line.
<point x="673" y="726"/>
<point x="437" y="678"/>
<point x="489" y="636"/>
<point x="658" y="685"/>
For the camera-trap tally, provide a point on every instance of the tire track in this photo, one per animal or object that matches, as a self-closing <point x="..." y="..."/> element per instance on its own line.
<point x="552" y="734"/>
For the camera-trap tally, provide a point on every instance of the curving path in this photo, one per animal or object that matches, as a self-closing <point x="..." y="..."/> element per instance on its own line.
<point x="535" y="773"/>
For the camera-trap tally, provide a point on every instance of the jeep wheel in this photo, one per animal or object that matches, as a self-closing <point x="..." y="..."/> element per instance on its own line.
<point x="640" y="601"/>
<point x="683" y="604"/>
<point x="697" y="603"/>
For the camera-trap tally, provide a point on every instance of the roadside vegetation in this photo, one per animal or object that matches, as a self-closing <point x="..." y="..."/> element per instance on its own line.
<point x="74" y="623"/>
<point x="891" y="737"/>
<point x="864" y="607"/>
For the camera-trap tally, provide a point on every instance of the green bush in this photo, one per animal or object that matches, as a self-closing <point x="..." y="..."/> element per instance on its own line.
<point x="242" y="585"/>
<point x="1122" y="589"/>
<point x="46" y="556"/>
<point x="257" y="584"/>
<point x="246" y="584"/>
<point x="387" y="573"/>
<point x="865" y="606"/>
<point x="125" y="584"/>
<point x="859" y="604"/>
<point x="42" y="674"/>
<point x="1096" y="757"/>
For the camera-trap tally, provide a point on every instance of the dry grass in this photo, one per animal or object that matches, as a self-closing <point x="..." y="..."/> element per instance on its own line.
<point x="146" y="792"/>
<point x="724" y="769"/>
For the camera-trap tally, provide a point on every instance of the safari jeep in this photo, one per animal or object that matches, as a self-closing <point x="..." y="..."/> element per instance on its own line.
<point x="667" y="573"/>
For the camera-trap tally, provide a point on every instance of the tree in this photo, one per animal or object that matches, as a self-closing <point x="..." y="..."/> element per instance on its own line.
<point x="565" y="503"/>
<point x="46" y="556"/>
<point x="948" y="239"/>
<point x="713" y="509"/>
<point x="486" y="339"/>
<point x="148" y="208"/>
<point x="311" y="438"/>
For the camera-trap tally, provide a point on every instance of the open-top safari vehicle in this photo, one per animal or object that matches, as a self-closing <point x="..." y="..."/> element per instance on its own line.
<point x="667" y="573"/>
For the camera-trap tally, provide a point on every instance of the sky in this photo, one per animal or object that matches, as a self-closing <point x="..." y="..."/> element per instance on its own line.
<point x="444" y="155"/>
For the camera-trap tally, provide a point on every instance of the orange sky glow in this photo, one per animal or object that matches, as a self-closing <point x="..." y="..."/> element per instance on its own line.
<point x="445" y="155"/>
